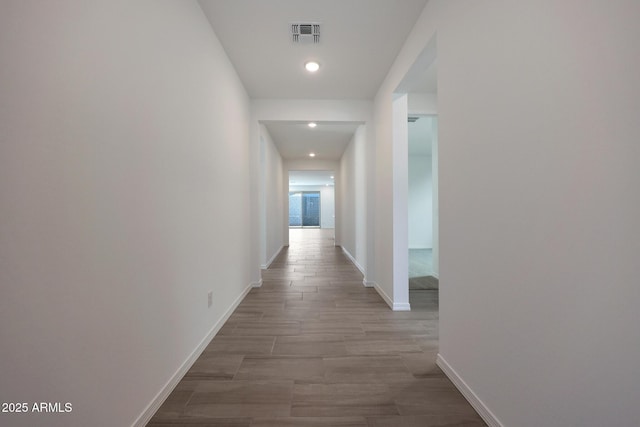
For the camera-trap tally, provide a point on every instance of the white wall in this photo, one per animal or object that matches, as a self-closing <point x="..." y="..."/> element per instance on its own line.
<point x="422" y="103"/>
<point x="321" y="110"/>
<point x="420" y="202"/>
<point x="353" y="185"/>
<point x="327" y="202"/>
<point x="123" y="201"/>
<point x="435" y="223"/>
<point x="273" y="199"/>
<point x="383" y="222"/>
<point x="399" y="296"/>
<point x="327" y="207"/>
<point x="538" y="130"/>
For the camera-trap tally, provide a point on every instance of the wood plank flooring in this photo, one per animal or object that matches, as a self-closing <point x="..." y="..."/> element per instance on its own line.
<point x="313" y="347"/>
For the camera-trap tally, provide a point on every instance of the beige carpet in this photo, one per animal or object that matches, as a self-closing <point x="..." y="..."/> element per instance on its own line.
<point x="423" y="283"/>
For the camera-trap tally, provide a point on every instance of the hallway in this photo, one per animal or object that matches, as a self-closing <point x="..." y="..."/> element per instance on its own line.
<point x="313" y="347"/>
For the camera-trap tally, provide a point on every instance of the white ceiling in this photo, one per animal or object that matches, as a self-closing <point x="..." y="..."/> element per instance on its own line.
<point x="295" y="140"/>
<point x="359" y="41"/>
<point x="307" y="178"/>
<point x="427" y="82"/>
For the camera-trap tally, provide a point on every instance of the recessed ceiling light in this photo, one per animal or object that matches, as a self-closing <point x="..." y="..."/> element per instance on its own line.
<point x="312" y="66"/>
<point x="331" y="176"/>
<point x="312" y="124"/>
<point x="312" y="154"/>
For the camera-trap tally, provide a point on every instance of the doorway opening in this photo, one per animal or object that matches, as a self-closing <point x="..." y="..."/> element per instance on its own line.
<point x="311" y="199"/>
<point x="422" y="207"/>
<point x="415" y="183"/>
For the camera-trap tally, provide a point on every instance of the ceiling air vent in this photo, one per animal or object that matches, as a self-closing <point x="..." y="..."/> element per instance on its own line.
<point x="307" y="33"/>
<point x="412" y="119"/>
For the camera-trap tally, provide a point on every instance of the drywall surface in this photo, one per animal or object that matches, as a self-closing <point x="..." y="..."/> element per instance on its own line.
<point x="420" y="202"/>
<point x="331" y="110"/>
<point x="538" y="204"/>
<point x="422" y="103"/>
<point x="382" y="230"/>
<point x="273" y="198"/>
<point x="123" y="201"/>
<point x="435" y="224"/>
<point x="353" y="173"/>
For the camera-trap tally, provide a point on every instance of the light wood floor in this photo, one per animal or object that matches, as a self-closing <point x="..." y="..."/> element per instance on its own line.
<point x="313" y="347"/>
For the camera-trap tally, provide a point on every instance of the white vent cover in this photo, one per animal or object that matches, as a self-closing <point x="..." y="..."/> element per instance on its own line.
<point x="412" y="119"/>
<point x="305" y="32"/>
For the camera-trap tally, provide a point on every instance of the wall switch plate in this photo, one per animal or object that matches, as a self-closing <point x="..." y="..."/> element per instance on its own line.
<point x="210" y="299"/>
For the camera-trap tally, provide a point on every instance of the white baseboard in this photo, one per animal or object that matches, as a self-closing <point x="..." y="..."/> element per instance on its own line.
<point x="463" y="387"/>
<point x="265" y="266"/>
<point x="395" y="306"/>
<point x="401" y="306"/>
<point x="162" y="395"/>
<point x="257" y="284"/>
<point x="353" y="260"/>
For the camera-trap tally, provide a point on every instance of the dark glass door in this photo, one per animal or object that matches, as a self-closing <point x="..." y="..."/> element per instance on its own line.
<point x="304" y="209"/>
<point x="311" y="209"/>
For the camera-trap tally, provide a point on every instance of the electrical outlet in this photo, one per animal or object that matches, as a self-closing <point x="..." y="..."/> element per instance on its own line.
<point x="210" y="299"/>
